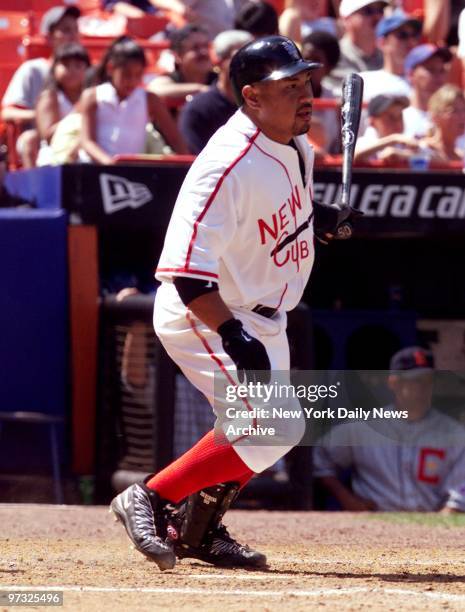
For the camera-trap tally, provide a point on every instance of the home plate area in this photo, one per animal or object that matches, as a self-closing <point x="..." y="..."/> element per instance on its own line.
<point x="330" y="560"/>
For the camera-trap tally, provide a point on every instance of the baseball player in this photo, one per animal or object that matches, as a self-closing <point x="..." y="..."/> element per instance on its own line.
<point x="415" y="463"/>
<point x="238" y="253"/>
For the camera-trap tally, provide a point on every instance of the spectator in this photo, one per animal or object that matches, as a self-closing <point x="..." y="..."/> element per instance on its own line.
<point x="134" y="9"/>
<point x="214" y="15"/>
<point x="435" y="15"/>
<point x="415" y="463"/>
<point x="323" y="48"/>
<point x="396" y="36"/>
<point x="384" y="138"/>
<point x="59" y="26"/>
<point x="447" y="111"/>
<point x="358" y="45"/>
<point x="193" y="67"/>
<point x="257" y="17"/>
<point x="300" y="18"/>
<point x="115" y="113"/>
<point x="426" y="69"/>
<point x="207" y="111"/>
<point x="63" y="91"/>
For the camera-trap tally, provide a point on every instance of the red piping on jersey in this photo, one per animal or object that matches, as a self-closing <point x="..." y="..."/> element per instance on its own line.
<point x="290" y="183"/>
<point x="184" y="271"/>
<point x="282" y="296"/>
<point x="217" y="360"/>
<point x="213" y="196"/>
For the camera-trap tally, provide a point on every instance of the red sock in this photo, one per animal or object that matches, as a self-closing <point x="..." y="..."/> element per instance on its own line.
<point x="207" y="463"/>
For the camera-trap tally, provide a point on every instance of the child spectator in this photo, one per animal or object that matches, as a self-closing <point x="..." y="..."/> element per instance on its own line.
<point x="426" y="69"/>
<point x="447" y="112"/>
<point x="207" y="111"/>
<point x="59" y="26"/>
<point x="384" y="138"/>
<point x="300" y="18"/>
<point x="63" y="91"/>
<point x="323" y="48"/>
<point x="258" y="18"/>
<point x="115" y="113"/>
<point x="193" y="67"/>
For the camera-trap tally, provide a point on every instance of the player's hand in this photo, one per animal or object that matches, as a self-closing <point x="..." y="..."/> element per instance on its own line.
<point x="354" y="503"/>
<point x="329" y="221"/>
<point x="248" y="353"/>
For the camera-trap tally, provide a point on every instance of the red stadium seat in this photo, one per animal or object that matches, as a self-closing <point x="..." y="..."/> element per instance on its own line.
<point x="146" y="26"/>
<point x="14" y="24"/>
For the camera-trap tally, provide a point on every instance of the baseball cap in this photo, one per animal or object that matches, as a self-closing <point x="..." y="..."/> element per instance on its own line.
<point x="422" y="53"/>
<point x="56" y="14"/>
<point x="411" y="361"/>
<point x="347" y="7"/>
<point x="381" y="102"/>
<point x="395" y="21"/>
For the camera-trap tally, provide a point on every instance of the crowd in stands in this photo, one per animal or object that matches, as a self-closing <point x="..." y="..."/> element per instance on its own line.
<point x="166" y="90"/>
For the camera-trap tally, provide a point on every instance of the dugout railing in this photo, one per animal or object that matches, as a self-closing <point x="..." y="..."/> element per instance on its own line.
<point x="148" y="413"/>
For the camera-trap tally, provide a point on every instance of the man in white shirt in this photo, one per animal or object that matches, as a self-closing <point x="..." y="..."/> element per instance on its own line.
<point x="396" y="37"/>
<point x="426" y="68"/>
<point x="59" y="26"/>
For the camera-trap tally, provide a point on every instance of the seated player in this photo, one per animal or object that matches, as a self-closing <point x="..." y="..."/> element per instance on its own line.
<point x="415" y="463"/>
<point x="208" y="111"/>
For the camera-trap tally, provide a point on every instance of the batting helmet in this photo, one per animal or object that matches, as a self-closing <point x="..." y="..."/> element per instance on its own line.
<point x="267" y="59"/>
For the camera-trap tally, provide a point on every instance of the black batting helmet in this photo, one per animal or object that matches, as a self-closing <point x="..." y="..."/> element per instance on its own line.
<point x="266" y="59"/>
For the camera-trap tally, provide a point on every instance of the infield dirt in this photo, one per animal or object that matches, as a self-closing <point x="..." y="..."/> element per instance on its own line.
<point x="331" y="561"/>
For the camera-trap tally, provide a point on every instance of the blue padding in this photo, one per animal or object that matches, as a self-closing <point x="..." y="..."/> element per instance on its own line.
<point x="38" y="186"/>
<point x="33" y="311"/>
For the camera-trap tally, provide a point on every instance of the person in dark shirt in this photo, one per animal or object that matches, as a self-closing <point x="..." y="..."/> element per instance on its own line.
<point x="207" y="111"/>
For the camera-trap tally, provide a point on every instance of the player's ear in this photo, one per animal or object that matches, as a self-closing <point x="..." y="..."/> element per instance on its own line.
<point x="250" y="95"/>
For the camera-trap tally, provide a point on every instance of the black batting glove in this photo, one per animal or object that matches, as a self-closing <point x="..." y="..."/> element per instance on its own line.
<point x="248" y="353"/>
<point x="330" y="219"/>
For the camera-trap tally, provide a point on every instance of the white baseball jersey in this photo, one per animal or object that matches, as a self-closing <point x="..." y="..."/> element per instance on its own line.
<point x="399" y="464"/>
<point x="243" y="218"/>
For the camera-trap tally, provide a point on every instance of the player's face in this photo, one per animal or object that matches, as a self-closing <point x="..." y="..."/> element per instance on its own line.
<point x="413" y="394"/>
<point x="285" y="107"/>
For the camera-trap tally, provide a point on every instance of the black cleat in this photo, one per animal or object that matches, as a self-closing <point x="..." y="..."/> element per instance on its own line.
<point x="220" y="549"/>
<point x="141" y="512"/>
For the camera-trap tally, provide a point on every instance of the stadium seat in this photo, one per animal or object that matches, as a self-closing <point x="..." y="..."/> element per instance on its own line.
<point x="146" y="26"/>
<point x="15" y="24"/>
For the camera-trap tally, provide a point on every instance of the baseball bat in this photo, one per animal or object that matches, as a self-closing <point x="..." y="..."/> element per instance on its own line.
<point x="351" y="109"/>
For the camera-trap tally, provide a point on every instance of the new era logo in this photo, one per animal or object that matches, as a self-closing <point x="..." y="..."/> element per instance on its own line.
<point x="119" y="193"/>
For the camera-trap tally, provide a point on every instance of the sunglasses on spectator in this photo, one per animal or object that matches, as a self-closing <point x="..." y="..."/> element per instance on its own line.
<point x="405" y="34"/>
<point x="370" y="11"/>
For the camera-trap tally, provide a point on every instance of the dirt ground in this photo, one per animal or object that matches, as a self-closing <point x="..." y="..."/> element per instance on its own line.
<point x="317" y="560"/>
